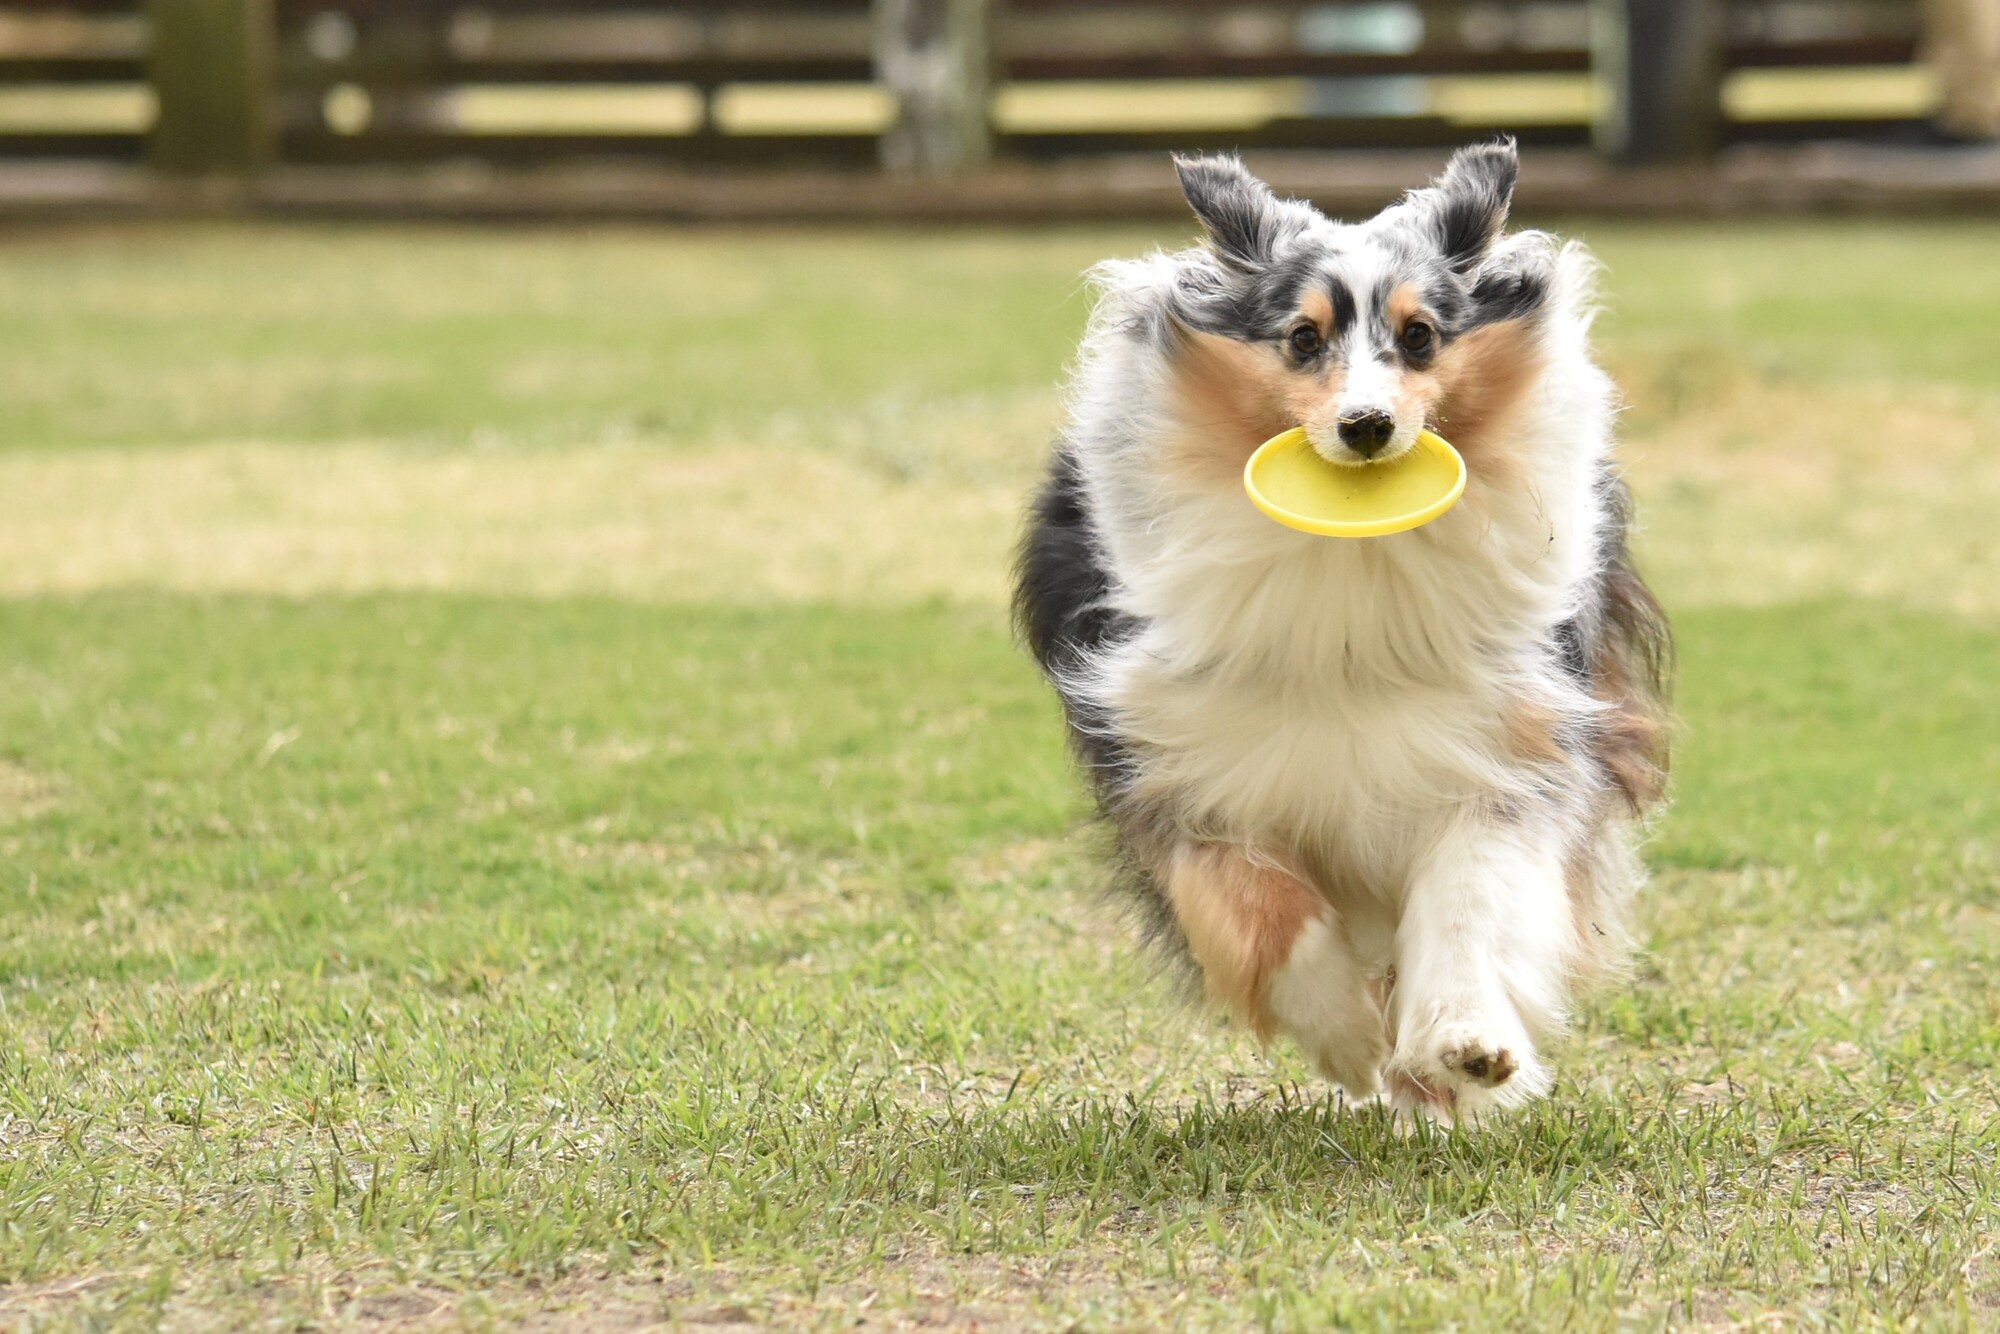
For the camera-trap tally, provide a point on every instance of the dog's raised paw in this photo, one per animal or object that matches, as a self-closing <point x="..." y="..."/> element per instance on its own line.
<point x="1492" y="1058"/>
<point x="1487" y="1064"/>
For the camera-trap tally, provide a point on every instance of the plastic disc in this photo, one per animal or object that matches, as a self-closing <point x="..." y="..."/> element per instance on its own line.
<point x="1288" y="480"/>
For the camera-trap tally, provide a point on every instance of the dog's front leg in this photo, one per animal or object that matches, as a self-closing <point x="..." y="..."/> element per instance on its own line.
<point x="1272" y="948"/>
<point x="1482" y="953"/>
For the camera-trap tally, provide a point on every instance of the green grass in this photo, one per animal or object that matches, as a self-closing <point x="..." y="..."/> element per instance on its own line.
<point x="734" y="944"/>
<point x="441" y="337"/>
<point x="1823" y="302"/>
<point x="722" y="951"/>
<point x="445" y="337"/>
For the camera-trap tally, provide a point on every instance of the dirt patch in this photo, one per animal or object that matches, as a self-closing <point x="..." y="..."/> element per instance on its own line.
<point x="731" y="525"/>
<point x="25" y="794"/>
<point x="1758" y="492"/>
<point x="908" y="1291"/>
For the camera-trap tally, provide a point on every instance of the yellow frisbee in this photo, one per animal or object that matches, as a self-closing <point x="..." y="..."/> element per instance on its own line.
<point x="1289" y="481"/>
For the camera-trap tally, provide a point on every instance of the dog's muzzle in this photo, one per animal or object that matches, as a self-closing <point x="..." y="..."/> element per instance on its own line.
<point x="1366" y="432"/>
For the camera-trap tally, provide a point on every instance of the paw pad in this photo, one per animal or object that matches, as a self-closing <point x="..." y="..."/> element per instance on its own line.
<point x="1491" y="1068"/>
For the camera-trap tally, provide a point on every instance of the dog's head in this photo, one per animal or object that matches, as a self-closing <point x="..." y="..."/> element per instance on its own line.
<point x="1364" y="334"/>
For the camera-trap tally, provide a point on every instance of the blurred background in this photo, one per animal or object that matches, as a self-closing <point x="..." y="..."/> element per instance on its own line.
<point x="197" y="123"/>
<point x="976" y="108"/>
<point x="849" y="236"/>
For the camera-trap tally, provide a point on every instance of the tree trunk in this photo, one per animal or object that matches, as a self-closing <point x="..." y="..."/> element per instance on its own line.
<point x="935" y="58"/>
<point x="211" y="69"/>
<point x="1661" y="66"/>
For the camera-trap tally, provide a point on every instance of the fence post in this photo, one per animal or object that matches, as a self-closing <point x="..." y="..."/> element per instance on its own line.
<point x="1659" y="63"/>
<point x="211" y="70"/>
<point x="935" y="58"/>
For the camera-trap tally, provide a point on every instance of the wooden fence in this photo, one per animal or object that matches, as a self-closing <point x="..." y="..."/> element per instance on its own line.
<point x="928" y="86"/>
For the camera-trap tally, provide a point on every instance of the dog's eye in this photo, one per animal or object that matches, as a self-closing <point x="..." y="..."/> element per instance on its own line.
<point x="1305" y="340"/>
<point x="1418" y="337"/>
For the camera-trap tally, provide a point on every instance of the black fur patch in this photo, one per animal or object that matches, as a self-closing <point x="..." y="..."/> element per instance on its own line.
<point x="1630" y="616"/>
<point x="1508" y="295"/>
<point x="1622" y="617"/>
<point x="1254" y="304"/>
<point x="1447" y="300"/>
<point x="1345" y="308"/>
<point x="1061" y="592"/>
<point x="1573" y="650"/>
<point x="1239" y="212"/>
<point x="1061" y="589"/>
<point x="1469" y="204"/>
<point x="1620" y="649"/>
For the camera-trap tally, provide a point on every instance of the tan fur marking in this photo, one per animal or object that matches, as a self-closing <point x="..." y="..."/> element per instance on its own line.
<point x="1481" y="380"/>
<point x="1232" y="397"/>
<point x="1599" y="943"/>
<point x="1317" y="306"/>
<point x="1531" y="733"/>
<point x="1241" y="920"/>
<point x="1404" y="305"/>
<point x="1629" y="745"/>
<point x="1630" y="740"/>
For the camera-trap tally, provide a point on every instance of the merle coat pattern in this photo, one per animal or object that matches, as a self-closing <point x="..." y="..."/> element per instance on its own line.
<point x="1384" y="793"/>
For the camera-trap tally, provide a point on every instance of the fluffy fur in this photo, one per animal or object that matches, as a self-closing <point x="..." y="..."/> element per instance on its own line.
<point x="1383" y="792"/>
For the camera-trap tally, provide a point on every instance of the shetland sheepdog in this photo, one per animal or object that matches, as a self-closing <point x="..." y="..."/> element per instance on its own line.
<point x="1383" y="793"/>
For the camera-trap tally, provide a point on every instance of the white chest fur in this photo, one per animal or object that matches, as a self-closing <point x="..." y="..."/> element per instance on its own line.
<point x="1338" y="698"/>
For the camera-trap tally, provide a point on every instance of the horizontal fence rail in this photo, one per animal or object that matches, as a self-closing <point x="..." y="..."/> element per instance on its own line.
<point x="400" y="81"/>
<point x="930" y="85"/>
<point x="73" y="81"/>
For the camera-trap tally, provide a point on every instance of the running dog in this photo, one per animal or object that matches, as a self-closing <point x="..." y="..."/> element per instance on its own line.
<point x="1384" y="793"/>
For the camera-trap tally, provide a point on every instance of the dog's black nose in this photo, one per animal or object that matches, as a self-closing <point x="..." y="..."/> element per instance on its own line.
<point x="1366" y="432"/>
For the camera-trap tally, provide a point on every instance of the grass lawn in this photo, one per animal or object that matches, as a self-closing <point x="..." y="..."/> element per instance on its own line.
<point x="517" y="804"/>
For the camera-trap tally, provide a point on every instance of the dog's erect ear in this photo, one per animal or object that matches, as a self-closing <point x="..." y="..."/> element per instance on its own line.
<point x="1468" y="204"/>
<point x="1244" y="220"/>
